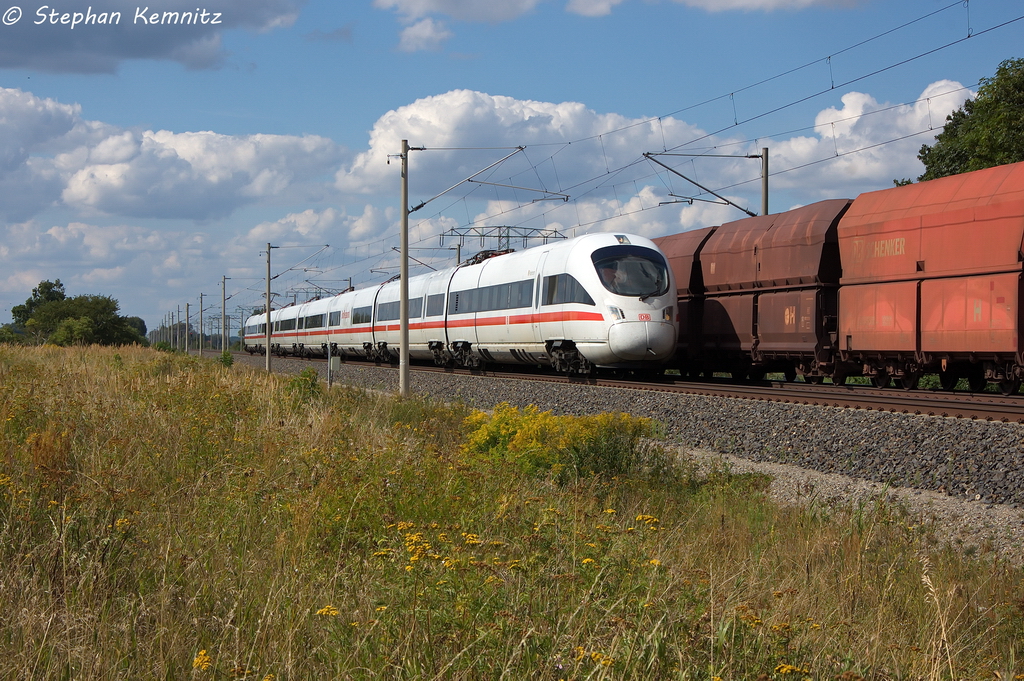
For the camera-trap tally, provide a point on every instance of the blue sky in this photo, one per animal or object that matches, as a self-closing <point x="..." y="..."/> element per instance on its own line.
<point x="145" y="162"/>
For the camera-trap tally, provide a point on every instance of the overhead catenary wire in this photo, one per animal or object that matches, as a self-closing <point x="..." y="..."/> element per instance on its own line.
<point x="596" y="183"/>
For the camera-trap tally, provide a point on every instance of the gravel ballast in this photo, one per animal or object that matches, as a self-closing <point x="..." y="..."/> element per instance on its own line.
<point x="967" y="475"/>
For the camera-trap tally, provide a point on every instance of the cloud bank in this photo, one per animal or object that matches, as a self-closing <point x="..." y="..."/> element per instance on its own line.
<point x="112" y="31"/>
<point x="116" y="207"/>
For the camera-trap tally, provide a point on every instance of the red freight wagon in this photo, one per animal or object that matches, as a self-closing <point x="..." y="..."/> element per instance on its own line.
<point x="950" y="238"/>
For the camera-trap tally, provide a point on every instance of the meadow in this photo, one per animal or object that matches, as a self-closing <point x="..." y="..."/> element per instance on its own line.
<point x="163" y="517"/>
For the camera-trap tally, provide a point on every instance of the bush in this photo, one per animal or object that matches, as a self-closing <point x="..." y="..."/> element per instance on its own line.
<point x="305" y="388"/>
<point x="568" y="447"/>
<point x="226" y="358"/>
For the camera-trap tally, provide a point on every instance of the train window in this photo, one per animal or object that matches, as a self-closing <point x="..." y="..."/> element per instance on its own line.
<point x="334" y="319"/>
<point x="631" y="270"/>
<point x="435" y="305"/>
<point x="287" y="324"/>
<point x="563" y="288"/>
<point x="362" y="315"/>
<point x="497" y="297"/>
<point x="315" y="321"/>
<point x="388" y="311"/>
<point x="302" y="322"/>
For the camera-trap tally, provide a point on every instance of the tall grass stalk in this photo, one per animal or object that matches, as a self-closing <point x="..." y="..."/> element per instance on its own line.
<point x="165" y="517"/>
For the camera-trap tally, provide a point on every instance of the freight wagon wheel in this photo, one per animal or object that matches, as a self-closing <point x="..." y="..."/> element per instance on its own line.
<point x="839" y="379"/>
<point x="948" y="380"/>
<point x="1009" y="386"/>
<point x="881" y="380"/>
<point x="976" y="379"/>
<point x="813" y="380"/>
<point x="790" y="374"/>
<point x="910" y="380"/>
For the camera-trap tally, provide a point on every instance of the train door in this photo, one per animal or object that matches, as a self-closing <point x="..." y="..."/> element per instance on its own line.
<point x="550" y="314"/>
<point x="540" y="327"/>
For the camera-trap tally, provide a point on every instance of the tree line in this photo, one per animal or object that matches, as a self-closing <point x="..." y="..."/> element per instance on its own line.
<point x="51" y="316"/>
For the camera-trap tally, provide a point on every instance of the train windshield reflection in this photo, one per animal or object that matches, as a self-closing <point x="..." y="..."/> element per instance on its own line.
<point x="632" y="271"/>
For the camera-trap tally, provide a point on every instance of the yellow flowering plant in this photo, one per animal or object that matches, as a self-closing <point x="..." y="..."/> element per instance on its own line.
<point x="566" y="447"/>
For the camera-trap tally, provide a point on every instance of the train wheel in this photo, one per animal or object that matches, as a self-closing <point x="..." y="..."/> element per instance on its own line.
<point x="839" y="379"/>
<point x="976" y="379"/>
<point x="790" y="374"/>
<point x="948" y="380"/>
<point x="1009" y="386"/>
<point x="909" y="381"/>
<point x="881" y="380"/>
<point x="813" y="380"/>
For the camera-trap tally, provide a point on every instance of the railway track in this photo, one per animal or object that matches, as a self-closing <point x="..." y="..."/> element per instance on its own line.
<point x="964" y="405"/>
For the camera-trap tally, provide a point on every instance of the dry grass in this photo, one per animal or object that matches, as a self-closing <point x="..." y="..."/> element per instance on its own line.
<point x="162" y="517"/>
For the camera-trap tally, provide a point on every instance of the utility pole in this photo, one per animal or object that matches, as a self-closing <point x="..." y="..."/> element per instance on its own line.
<point x="200" y="324"/>
<point x="268" y="308"/>
<point x="764" y="180"/>
<point x="223" y="314"/>
<point x="177" y="331"/>
<point x="403" y="305"/>
<point x="188" y="325"/>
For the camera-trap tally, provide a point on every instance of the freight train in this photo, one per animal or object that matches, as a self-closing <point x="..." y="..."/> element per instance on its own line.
<point x="600" y="300"/>
<point x="923" y="278"/>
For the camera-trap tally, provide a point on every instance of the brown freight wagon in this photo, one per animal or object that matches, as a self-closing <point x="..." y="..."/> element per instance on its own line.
<point x="761" y="293"/>
<point x="932" y="280"/>
<point x="683" y="254"/>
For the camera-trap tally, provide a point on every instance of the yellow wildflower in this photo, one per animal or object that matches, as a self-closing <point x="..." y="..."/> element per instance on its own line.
<point x="202" y="661"/>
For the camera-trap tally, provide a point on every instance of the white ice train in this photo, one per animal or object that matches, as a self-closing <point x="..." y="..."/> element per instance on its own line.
<point x="604" y="300"/>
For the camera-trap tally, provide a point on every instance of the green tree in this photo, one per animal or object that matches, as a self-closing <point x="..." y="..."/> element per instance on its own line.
<point x="47" y="292"/>
<point x="55" y="318"/>
<point x="137" y="323"/>
<point x="8" y="334"/>
<point x="986" y="131"/>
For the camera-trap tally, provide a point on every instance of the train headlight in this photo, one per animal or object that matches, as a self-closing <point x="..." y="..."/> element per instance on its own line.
<point x="617" y="312"/>
<point x="666" y="314"/>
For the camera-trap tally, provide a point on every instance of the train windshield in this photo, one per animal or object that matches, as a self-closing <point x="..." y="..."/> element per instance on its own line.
<point x="632" y="271"/>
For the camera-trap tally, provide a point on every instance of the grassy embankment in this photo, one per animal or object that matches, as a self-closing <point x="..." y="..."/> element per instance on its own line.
<point x="162" y="517"/>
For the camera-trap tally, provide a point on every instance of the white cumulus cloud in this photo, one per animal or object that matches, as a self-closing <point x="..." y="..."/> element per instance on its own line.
<point x="425" y="34"/>
<point x="866" y="144"/>
<point x="592" y="8"/>
<point x="462" y="10"/>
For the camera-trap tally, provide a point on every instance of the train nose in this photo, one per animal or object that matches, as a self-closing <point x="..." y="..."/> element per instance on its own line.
<point x="642" y="341"/>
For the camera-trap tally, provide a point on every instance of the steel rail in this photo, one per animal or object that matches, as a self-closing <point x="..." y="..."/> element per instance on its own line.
<point x="923" y="402"/>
